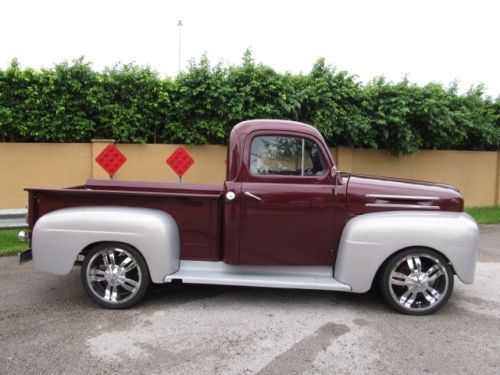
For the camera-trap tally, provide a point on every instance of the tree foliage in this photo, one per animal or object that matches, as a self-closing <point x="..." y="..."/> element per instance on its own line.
<point x="71" y="102"/>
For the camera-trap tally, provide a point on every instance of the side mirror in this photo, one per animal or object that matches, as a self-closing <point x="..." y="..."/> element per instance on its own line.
<point x="335" y="171"/>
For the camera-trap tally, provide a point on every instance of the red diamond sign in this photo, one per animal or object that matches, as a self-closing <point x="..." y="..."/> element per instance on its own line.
<point x="180" y="161"/>
<point x="111" y="159"/>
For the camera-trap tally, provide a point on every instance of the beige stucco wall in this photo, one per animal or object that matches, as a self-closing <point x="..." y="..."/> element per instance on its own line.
<point x="476" y="174"/>
<point x="40" y="165"/>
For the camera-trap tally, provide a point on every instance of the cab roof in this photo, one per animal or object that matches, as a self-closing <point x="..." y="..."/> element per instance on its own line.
<point x="248" y="126"/>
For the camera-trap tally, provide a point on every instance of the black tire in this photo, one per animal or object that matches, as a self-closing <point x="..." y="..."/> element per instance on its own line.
<point x="416" y="281"/>
<point x="115" y="275"/>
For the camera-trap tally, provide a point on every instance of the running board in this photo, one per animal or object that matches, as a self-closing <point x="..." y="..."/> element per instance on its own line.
<point x="293" y="277"/>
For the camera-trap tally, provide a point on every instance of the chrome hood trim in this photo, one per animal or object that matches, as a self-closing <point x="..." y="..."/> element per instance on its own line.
<point x="391" y="201"/>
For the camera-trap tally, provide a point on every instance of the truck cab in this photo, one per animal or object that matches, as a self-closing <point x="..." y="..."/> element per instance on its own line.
<point x="280" y="196"/>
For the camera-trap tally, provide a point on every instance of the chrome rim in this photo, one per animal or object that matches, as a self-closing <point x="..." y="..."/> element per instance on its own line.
<point x="113" y="275"/>
<point x="418" y="282"/>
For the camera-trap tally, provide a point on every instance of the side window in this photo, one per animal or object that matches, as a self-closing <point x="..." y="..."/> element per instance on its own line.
<point x="286" y="156"/>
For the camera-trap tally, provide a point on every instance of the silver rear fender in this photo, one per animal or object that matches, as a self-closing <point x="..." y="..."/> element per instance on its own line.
<point x="59" y="236"/>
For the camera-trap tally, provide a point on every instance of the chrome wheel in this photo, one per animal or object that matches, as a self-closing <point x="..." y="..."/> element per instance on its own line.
<point x="115" y="275"/>
<point x="417" y="282"/>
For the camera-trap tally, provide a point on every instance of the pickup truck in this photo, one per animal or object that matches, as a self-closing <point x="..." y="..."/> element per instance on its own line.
<point x="284" y="218"/>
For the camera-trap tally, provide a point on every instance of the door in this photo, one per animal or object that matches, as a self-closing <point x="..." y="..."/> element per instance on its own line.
<point x="287" y="203"/>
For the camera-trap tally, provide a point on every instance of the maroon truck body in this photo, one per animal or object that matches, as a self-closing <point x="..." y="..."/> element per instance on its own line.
<point x="297" y="221"/>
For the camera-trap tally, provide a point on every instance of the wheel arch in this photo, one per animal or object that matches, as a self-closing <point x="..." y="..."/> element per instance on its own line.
<point x="115" y="275"/>
<point x="396" y="253"/>
<point x="93" y="245"/>
<point x="419" y="287"/>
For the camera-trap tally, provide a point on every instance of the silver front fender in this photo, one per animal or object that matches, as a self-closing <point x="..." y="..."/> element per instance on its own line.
<point x="368" y="240"/>
<point x="59" y="236"/>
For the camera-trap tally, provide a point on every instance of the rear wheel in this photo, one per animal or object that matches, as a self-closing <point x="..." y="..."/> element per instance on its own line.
<point x="417" y="281"/>
<point x="115" y="275"/>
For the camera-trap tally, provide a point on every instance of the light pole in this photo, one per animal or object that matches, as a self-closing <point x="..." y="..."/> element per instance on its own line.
<point x="179" y="24"/>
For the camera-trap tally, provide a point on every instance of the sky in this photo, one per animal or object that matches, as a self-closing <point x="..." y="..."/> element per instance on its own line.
<point x="427" y="40"/>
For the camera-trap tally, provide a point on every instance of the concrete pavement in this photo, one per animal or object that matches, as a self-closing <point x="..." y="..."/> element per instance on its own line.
<point x="49" y="325"/>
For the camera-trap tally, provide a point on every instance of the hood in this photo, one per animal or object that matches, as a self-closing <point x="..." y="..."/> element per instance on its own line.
<point x="373" y="194"/>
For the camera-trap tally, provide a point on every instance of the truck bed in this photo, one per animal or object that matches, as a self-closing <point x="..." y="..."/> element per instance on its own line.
<point x="197" y="209"/>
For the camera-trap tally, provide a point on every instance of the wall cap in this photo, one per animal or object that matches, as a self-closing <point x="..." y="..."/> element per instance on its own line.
<point x="102" y="141"/>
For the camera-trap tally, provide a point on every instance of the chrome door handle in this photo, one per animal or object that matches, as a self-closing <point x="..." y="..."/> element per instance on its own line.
<point x="248" y="194"/>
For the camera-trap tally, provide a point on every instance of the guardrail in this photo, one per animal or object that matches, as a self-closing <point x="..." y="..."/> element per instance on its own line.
<point x="13" y="218"/>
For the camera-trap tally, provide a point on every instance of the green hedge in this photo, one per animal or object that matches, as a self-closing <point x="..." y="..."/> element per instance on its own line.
<point x="133" y="104"/>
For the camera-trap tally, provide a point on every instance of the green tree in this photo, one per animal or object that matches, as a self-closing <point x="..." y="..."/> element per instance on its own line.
<point x="388" y="107"/>
<point x="134" y="104"/>
<point x="197" y="115"/>
<point x="61" y="103"/>
<point x="15" y="87"/>
<point x="71" y="102"/>
<point x="334" y="103"/>
<point x="478" y="118"/>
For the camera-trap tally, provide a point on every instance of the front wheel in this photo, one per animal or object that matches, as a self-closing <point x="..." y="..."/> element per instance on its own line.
<point x="417" y="281"/>
<point x="115" y="275"/>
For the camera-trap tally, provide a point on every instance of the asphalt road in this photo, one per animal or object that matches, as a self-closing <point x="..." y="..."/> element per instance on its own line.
<point x="48" y="325"/>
